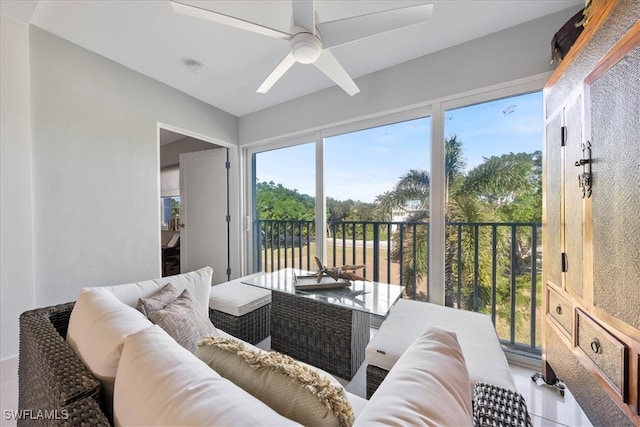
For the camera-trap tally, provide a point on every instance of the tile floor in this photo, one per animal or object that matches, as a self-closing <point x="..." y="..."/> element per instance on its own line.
<point x="546" y="407"/>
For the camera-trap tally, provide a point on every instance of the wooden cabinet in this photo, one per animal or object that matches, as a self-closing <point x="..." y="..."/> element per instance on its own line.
<point x="591" y="234"/>
<point x="560" y="311"/>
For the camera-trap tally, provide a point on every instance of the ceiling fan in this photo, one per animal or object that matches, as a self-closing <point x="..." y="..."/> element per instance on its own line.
<point x="311" y="40"/>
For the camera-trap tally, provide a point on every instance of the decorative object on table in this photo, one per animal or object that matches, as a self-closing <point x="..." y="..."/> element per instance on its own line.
<point x="337" y="273"/>
<point x="310" y="282"/>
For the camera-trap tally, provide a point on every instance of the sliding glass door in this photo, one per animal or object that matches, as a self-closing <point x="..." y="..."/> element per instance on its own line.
<point x="377" y="197"/>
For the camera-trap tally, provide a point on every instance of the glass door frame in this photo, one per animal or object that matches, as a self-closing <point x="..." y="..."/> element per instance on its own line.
<point x="436" y="110"/>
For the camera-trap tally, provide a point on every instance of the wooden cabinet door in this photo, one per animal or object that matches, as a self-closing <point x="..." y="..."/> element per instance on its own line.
<point x="614" y="106"/>
<point x="573" y="200"/>
<point x="552" y="243"/>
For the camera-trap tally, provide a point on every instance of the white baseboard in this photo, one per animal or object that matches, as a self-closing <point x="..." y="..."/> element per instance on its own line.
<point x="527" y="361"/>
<point x="9" y="369"/>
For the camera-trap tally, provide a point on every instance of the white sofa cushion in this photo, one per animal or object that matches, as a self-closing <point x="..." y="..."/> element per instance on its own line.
<point x="429" y="385"/>
<point x="237" y="299"/>
<point x="476" y="334"/>
<point x="98" y="326"/>
<point x="160" y="383"/>
<point x="293" y="389"/>
<point x="198" y="282"/>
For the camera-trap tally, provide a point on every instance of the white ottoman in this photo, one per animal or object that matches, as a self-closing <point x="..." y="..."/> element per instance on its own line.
<point x="408" y="319"/>
<point x="243" y="311"/>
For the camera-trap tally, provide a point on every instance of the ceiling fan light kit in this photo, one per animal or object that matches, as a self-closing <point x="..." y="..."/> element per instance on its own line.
<point x="306" y="44"/>
<point x="305" y="47"/>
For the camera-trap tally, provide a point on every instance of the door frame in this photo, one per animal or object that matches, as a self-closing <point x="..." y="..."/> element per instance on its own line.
<point x="236" y="260"/>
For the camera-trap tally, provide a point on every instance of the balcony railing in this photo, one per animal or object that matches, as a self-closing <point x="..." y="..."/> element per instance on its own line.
<point x="492" y="268"/>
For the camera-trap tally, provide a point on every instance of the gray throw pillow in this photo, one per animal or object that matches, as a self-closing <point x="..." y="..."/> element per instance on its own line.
<point x="166" y="295"/>
<point x="184" y="321"/>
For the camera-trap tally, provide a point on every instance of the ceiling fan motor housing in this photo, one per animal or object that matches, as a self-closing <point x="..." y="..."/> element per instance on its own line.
<point x="305" y="47"/>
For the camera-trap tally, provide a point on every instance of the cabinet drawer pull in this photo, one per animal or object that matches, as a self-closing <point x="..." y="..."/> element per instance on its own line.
<point x="595" y="345"/>
<point x="559" y="309"/>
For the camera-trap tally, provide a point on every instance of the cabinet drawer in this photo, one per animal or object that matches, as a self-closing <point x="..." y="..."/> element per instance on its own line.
<point x="561" y="311"/>
<point x="608" y="354"/>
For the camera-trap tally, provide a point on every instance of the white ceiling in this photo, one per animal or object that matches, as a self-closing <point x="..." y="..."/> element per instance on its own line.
<point x="147" y="36"/>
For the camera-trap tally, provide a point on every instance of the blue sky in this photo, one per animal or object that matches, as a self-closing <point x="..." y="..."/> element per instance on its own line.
<point x="364" y="164"/>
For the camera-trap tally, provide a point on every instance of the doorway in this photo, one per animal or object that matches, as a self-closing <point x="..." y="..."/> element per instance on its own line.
<point x="176" y="150"/>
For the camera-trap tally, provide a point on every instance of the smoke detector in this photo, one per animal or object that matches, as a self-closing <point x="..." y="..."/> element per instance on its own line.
<point x="194" y="66"/>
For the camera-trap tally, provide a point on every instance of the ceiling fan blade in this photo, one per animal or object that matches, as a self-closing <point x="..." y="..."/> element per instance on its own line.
<point x="304" y="15"/>
<point x="335" y="33"/>
<point x="278" y="72"/>
<point x="328" y="64"/>
<point x="198" y="12"/>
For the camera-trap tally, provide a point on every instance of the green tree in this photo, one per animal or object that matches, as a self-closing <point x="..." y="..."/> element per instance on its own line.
<point x="494" y="190"/>
<point x="276" y="202"/>
<point x="338" y="210"/>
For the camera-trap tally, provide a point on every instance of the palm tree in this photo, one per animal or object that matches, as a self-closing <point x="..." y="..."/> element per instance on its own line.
<point x="470" y="197"/>
<point x="414" y="186"/>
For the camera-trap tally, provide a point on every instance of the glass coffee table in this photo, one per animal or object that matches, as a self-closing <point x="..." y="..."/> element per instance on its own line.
<point x="326" y="328"/>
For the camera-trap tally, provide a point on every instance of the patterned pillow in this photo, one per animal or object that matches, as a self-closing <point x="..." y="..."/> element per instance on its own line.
<point x="497" y="406"/>
<point x="166" y="295"/>
<point x="291" y="388"/>
<point x="184" y="321"/>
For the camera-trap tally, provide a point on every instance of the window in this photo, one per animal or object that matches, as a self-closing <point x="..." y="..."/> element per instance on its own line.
<point x="377" y="190"/>
<point x="284" y="208"/>
<point x="494" y="209"/>
<point x="170" y="209"/>
<point x="464" y="175"/>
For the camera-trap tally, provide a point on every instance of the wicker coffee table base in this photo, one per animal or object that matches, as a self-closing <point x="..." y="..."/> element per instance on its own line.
<point x="329" y="337"/>
<point x="252" y="327"/>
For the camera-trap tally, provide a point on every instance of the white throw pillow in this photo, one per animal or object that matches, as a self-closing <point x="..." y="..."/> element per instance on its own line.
<point x="159" y="383"/>
<point x="198" y="282"/>
<point x="429" y="385"/>
<point x="98" y="325"/>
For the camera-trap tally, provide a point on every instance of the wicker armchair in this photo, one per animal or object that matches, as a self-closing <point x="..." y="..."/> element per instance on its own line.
<point x="54" y="387"/>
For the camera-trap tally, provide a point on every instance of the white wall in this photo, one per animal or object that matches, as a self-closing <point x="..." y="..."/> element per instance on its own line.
<point x="93" y="173"/>
<point x="508" y="55"/>
<point x="96" y="166"/>
<point x="16" y="250"/>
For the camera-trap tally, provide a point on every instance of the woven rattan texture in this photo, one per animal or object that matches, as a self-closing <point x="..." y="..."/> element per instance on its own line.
<point x="375" y="376"/>
<point x="615" y="101"/>
<point x="252" y="327"/>
<point x="496" y="406"/>
<point x="50" y="376"/>
<point x="553" y="166"/>
<point x="85" y="412"/>
<point x="326" y="336"/>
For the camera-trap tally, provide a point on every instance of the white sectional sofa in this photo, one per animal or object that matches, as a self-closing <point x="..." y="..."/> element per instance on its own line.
<point x="407" y="319"/>
<point x="101" y="361"/>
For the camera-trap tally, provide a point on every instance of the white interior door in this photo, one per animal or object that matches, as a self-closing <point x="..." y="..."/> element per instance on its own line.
<point x="204" y="231"/>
